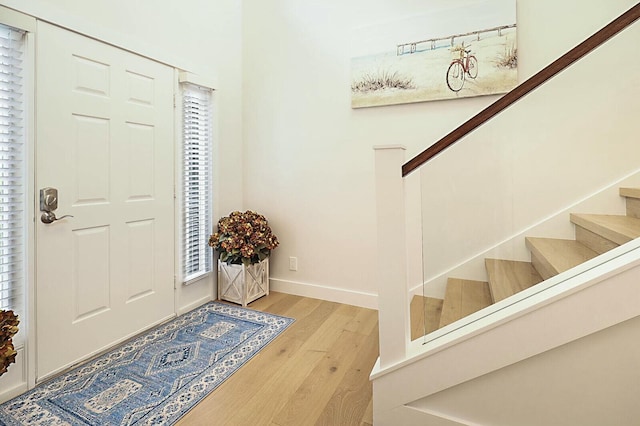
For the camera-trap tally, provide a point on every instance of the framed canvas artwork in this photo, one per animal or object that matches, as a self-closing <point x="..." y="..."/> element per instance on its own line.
<point x="463" y="50"/>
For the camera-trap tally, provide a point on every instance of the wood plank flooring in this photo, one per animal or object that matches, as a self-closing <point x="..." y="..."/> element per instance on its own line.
<point x="315" y="373"/>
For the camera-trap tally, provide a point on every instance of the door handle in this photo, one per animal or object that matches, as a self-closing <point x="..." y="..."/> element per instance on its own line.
<point x="50" y="217"/>
<point x="48" y="203"/>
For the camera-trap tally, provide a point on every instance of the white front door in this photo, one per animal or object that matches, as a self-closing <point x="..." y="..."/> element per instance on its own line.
<point x="104" y="138"/>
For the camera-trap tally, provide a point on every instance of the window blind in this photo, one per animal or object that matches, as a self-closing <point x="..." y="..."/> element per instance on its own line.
<point x="12" y="171"/>
<point x="197" y="181"/>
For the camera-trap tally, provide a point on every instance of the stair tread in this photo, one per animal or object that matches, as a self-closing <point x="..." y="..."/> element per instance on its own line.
<point x="508" y="277"/>
<point x="462" y="298"/>
<point x="630" y="192"/>
<point x="424" y="310"/>
<point x="559" y="255"/>
<point x="619" y="229"/>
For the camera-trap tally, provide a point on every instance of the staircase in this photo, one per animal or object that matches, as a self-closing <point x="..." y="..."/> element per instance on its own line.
<point x="594" y="234"/>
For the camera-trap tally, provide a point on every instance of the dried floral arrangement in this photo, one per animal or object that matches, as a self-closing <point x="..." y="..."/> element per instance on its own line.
<point x="243" y="237"/>
<point x="8" y="328"/>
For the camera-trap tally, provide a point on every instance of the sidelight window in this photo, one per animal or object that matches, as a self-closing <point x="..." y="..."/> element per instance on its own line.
<point x="12" y="170"/>
<point x="197" y="181"/>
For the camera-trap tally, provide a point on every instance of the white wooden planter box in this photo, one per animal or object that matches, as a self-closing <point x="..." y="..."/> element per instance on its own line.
<point x="243" y="284"/>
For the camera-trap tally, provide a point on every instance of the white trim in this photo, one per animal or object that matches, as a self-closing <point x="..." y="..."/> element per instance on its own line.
<point x="193" y="305"/>
<point x="53" y="14"/>
<point x="14" y="381"/>
<point x="195" y="181"/>
<point x="216" y="179"/>
<point x="394" y="325"/>
<point x="10" y="393"/>
<point x="17" y="20"/>
<point x="332" y="294"/>
<point x="183" y="301"/>
<point x="30" y="157"/>
<point x="409" y="416"/>
<point x="25" y="339"/>
<point x="204" y="82"/>
<point x="177" y="195"/>
<point x="198" y="277"/>
<point x="390" y="146"/>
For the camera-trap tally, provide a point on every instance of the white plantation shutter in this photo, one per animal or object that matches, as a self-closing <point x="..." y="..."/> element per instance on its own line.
<point x="12" y="172"/>
<point x="197" y="181"/>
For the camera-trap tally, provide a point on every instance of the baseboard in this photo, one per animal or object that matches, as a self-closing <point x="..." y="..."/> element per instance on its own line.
<point x="195" y="294"/>
<point x="332" y="294"/>
<point x="6" y="395"/>
<point x="14" y="381"/>
<point x="409" y="416"/>
<point x="193" y="305"/>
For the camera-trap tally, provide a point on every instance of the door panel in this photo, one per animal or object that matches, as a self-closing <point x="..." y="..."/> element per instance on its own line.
<point x="105" y="141"/>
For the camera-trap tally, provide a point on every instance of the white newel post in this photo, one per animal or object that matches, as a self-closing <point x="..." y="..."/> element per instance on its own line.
<point x="393" y="305"/>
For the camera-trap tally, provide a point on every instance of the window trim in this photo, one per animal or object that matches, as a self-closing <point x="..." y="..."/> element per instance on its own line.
<point x="24" y="341"/>
<point x="185" y="78"/>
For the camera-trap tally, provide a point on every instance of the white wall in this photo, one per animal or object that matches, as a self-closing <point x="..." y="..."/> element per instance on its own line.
<point x="308" y="155"/>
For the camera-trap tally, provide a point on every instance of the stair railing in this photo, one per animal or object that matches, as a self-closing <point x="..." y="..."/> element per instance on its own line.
<point x="392" y="190"/>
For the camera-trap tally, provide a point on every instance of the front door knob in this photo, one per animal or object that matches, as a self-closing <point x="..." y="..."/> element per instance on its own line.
<point x="50" y="217"/>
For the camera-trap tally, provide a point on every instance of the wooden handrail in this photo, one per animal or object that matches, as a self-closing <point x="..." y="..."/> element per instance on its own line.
<point x="523" y="89"/>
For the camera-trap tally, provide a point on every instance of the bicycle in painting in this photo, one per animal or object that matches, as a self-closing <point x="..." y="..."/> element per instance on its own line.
<point x="460" y="68"/>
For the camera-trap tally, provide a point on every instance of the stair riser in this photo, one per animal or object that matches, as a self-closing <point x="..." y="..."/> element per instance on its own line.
<point x="633" y="207"/>
<point x="508" y="277"/>
<point x="615" y="228"/>
<point x="545" y="270"/>
<point x="463" y="297"/>
<point x="594" y="241"/>
<point x="425" y="315"/>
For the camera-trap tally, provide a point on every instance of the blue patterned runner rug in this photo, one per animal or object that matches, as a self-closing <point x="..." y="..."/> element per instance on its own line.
<point x="154" y="378"/>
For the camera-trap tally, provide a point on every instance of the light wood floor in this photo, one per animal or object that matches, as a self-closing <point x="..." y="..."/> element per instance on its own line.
<point x="315" y="373"/>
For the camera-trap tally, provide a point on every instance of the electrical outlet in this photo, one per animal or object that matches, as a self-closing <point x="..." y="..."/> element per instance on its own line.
<point x="293" y="263"/>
